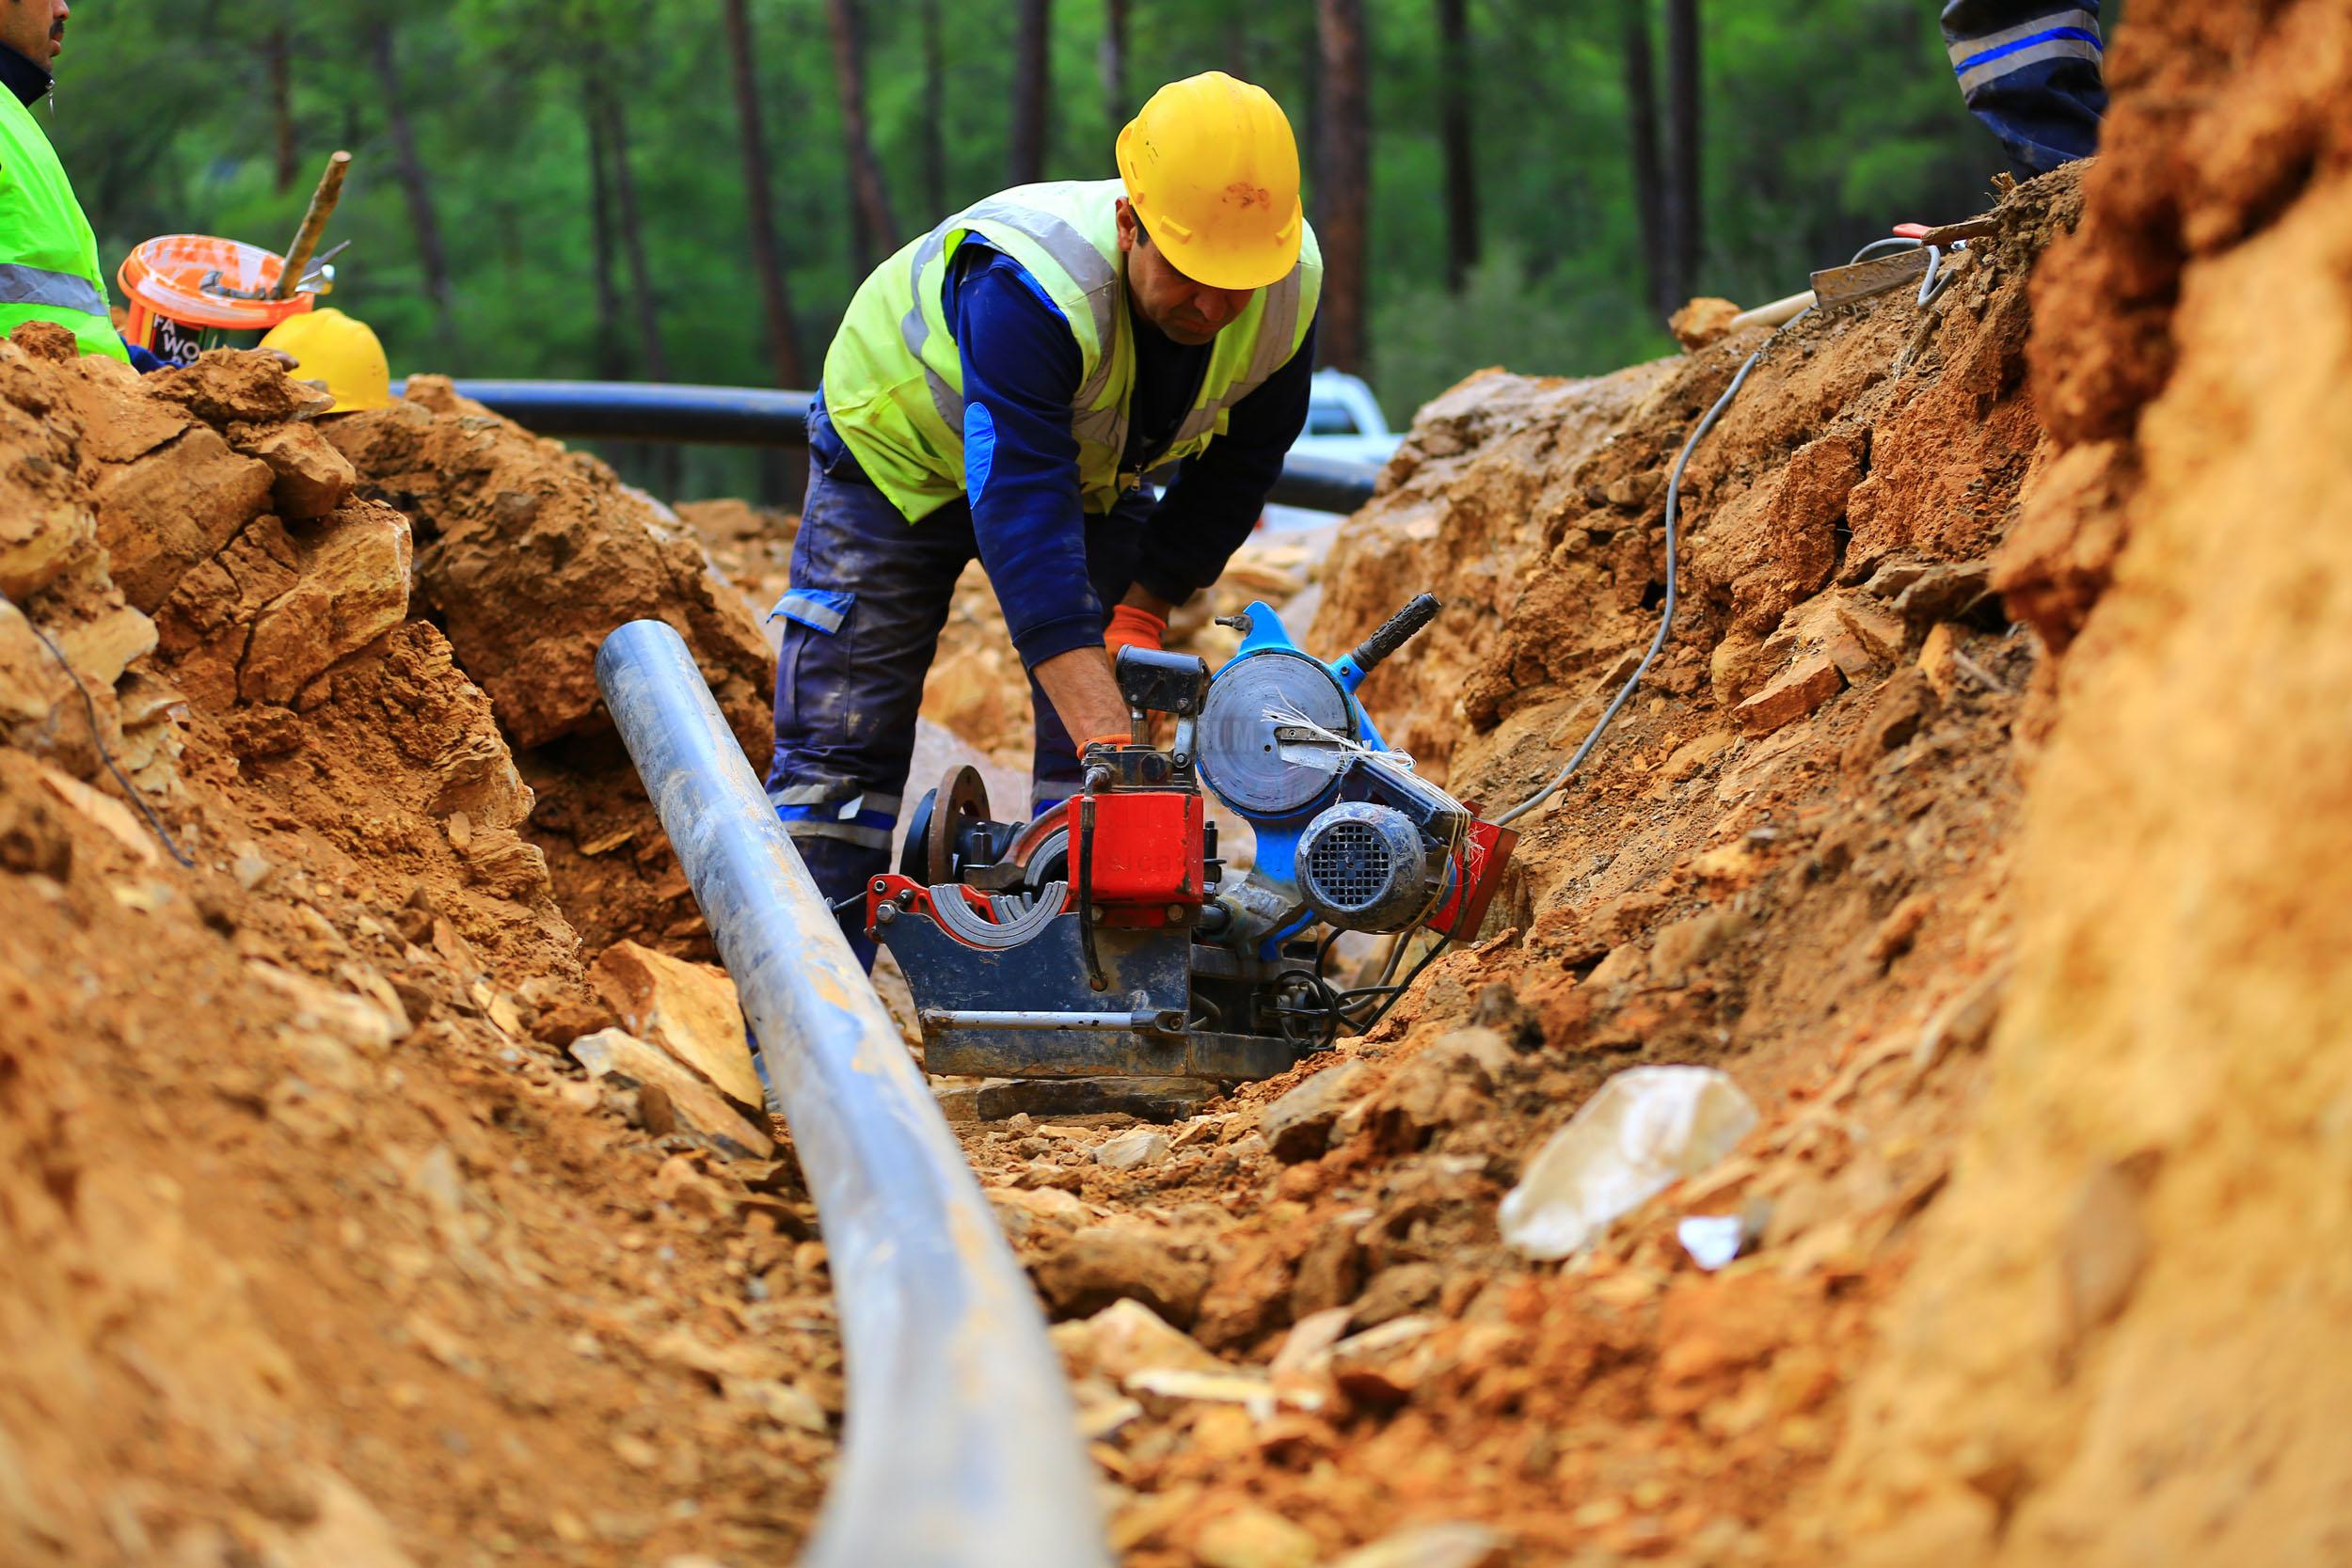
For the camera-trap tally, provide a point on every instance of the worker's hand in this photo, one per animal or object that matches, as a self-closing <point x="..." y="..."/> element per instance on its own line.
<point x="1134" y="626"/>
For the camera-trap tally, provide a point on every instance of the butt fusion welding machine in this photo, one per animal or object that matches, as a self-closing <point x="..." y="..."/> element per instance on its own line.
<point x="1104" y="938"/>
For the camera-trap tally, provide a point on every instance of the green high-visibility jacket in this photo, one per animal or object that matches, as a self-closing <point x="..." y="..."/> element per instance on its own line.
<point x="48" y="255"/>
<point x="894" y="378"/>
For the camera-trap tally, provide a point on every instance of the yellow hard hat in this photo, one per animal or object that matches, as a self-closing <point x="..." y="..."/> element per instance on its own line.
<point x="1212" y="169"/>
<point x="338" y="350"/>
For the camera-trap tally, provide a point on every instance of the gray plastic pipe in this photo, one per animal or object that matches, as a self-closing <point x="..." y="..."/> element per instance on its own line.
<point x="761" y="416"/>
<point x="962" y="1448"/>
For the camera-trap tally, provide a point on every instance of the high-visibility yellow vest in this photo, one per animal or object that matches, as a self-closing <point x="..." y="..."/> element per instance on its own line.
<point x="48" y="255"/>
<point x="894" y="380"/>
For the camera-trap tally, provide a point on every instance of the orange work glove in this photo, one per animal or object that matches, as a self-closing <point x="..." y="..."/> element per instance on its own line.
<point x="1132" y="626"/>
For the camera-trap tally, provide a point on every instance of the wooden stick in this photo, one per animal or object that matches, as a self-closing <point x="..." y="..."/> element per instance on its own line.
<point x="1779" y="311"/>
<point x="313" y="223"/>
<point x="1967" y="228"/>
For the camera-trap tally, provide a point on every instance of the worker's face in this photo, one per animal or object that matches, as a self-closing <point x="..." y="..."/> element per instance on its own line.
<point x="1187" y="312"/>
<point x="35" y="28"/>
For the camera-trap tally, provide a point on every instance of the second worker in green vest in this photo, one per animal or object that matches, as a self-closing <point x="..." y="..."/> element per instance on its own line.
<point x="48" y="257"/>
<point x="997" y="390"/>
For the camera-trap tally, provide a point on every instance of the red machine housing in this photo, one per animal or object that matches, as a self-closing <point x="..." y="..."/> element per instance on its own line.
<point x="1477" y="872"/>
<point x="1148" y="851"/>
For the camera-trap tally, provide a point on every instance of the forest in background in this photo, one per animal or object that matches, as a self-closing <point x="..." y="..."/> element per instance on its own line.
<point x="692" y="189"/>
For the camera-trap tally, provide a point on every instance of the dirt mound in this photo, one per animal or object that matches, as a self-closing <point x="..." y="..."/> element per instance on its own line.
<point x="528" y="556"/>
<point x="323" y="1252"/>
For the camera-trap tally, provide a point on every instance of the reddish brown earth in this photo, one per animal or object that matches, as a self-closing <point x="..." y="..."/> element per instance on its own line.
<point x="322" y="1250"/>
<point x="1984" y="819"/>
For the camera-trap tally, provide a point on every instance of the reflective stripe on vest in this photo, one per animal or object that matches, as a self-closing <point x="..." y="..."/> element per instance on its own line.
<point x="24" y="285"/>
<point x="894" y="378"/>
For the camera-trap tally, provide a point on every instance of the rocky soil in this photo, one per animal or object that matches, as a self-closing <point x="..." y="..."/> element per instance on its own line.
<point x="386" y="1185"/>
<point x="324" y="1247"/>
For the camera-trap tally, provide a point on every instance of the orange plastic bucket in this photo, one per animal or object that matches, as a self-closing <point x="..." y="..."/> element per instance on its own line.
<point x="184" y="288"/>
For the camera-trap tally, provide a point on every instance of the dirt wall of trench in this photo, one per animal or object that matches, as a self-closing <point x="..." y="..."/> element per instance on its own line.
<point x="2125" y="1340"/>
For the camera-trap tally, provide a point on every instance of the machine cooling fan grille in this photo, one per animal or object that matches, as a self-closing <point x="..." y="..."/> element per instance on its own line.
<point x="1349" y="865"/>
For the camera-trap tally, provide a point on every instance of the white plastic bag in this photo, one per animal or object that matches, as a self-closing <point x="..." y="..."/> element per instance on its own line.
<point x="1647" y="1128"/>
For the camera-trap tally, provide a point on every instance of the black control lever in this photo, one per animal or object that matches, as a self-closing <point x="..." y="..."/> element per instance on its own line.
<point x="1158" y="682"/>
<point x="1394" y="632"/>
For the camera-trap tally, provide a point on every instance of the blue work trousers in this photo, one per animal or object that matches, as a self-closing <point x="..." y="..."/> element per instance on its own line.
<point x="870" y="594"/>
<point x="2031" y="71"/>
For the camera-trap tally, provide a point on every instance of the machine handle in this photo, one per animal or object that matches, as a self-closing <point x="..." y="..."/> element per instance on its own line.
<point x="1394" y="632"/>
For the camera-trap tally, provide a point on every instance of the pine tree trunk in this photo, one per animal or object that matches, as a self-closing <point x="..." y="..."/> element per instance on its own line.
<point x="784" y="349"/>
<point x="1112" y="61"/>
<point x="414" y="182"/>
<point x="934" y="134"/>
<point x="648" y="307"/>
<point x="876" y="232"/>
<point x="1641" y="108"/>
<point x="280" y="54"/>
<point x="1458" y="139"/>
<point x="1032" y="90"/>
<point x="611" y="353"/>
<point x="1344" y="183"/>
<point x="1309" y="42"/>
<point x="1683" y="211"/>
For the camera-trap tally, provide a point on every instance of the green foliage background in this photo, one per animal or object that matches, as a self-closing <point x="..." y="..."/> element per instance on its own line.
<point x="1825" y="120"/>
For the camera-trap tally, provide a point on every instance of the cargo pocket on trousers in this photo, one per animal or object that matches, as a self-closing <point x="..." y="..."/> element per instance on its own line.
<point x="815" y="671"/>
<point x="820" y="610"/>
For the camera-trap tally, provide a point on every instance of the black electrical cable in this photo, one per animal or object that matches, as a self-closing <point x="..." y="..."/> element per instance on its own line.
<point x="1350" y="999"/>
<point x="1324" y="952"/>
<point x="1325" y="1013"/>
<point x="98" y="739"/>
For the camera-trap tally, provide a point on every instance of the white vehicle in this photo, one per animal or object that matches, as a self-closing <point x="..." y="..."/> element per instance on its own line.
<point x="1343" y="423"/>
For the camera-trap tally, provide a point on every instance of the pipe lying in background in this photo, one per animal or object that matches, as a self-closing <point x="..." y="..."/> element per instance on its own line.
<point x="758" y="416"/>
<point x="960" y="1447"/>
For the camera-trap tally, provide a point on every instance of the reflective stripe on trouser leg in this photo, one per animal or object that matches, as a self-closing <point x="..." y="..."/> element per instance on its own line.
<point x="846" y="811"/>
<point x="2032" y="72"/>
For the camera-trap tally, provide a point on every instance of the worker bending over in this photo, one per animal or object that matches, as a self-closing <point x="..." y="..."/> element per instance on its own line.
<point x="999" y="388"/>
<point x="48" y="255"/>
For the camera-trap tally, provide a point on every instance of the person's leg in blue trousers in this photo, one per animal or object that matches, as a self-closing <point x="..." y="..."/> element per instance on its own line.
<point x="2031" y="71"/>
<point x="870" y="594"/>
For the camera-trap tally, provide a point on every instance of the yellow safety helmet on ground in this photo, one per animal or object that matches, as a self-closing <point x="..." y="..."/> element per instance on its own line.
<point x="1212" y="169"/>
<point x="340" y="351"/>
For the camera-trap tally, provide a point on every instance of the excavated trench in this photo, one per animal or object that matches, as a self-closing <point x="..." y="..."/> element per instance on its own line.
<point x="378" y="1188"/>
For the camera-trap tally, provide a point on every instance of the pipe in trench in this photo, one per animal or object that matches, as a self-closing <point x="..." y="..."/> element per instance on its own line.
<point x="961" y="1448"/>
<point x="762" y="417"/>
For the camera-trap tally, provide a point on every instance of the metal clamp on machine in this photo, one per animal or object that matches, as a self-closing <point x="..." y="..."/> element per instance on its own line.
<point x="1104" y="938"/>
